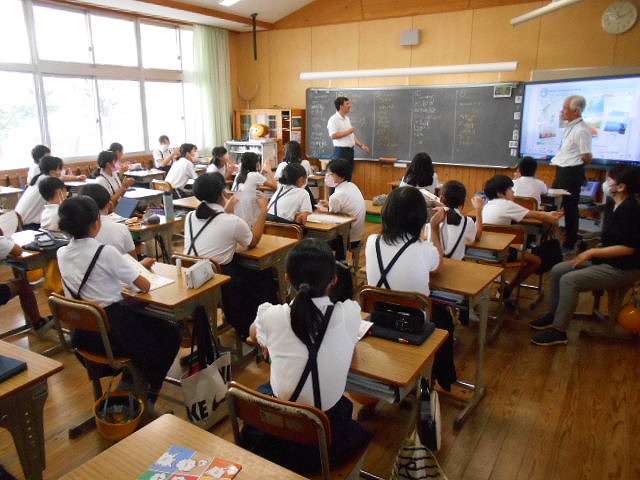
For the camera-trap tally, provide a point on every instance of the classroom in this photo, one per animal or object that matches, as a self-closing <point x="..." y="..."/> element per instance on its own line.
<point x="562" y="412"/>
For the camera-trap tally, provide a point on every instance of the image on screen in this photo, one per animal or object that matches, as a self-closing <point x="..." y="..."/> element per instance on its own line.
<point x="613" y="106"/>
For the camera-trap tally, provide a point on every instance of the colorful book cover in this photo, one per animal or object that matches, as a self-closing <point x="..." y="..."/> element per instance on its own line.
<point x="179" y="463"/>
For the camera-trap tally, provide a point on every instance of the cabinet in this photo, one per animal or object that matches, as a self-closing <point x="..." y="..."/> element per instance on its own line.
<point x="284" y="124"/>
<point x="267" y="149"/>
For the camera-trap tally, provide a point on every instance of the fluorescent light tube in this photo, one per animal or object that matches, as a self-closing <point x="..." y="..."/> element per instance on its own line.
<point x="228" y="3"/>
<point x="551" y="7"/>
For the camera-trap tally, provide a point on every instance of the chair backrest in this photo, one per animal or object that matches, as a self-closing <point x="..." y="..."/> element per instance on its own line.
<point x="291" y="421"/>
<point x="518" y="230"/>
<point x="161" y="185"/>
<point x="83" y="315"/>
<point x="527" y="202"/>
<point x="288" y="230"/>
<point x="188" y="260"/>
<point x="369" y="296"/>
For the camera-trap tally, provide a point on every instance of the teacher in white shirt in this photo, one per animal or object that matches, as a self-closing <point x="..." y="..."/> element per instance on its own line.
<point x="342" y="133"/>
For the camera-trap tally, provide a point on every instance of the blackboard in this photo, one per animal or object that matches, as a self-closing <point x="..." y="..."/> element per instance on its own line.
<point x="458" y="125"/>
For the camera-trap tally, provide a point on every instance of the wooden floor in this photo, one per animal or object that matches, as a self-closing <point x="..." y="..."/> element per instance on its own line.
<point x="550" y="413"/>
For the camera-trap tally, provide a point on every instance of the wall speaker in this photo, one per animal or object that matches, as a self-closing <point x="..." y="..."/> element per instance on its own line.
<point x="410" y="38"/>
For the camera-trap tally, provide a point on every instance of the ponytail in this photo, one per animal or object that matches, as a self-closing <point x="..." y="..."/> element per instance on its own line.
<point x="204" y="211"/>
<point x="306" y="318"/>
<point x="453" y="217"/>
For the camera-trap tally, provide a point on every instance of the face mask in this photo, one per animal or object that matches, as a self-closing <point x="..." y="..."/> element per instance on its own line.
<point x="606" y="189"/>
<point x="330" y="181"/>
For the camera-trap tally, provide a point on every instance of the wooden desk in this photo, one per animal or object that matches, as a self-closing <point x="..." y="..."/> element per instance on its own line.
<point x="146" y="176"/>
<point x="271" y="251"/>
<point x="190" y="203"/>
<point x="395" y="184"/>
<point x="323" y="189"/>
<point x="495" y="244"/>
<point x="165" y="229"/>
<point x="140" y="193"/>
<point x="22" y="399"/>
<point x="9" y="197"/>
<point x="330" y="231"/>
<point x="131" y="457"/>
<point x="471" y="280"/>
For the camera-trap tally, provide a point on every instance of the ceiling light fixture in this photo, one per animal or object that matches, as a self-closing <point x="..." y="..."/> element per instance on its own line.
<point x="228" y="3"/>
<point x="538" y="12"/>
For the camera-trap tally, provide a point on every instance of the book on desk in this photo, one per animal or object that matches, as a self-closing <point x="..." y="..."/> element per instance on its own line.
<point x="10" y="367"/>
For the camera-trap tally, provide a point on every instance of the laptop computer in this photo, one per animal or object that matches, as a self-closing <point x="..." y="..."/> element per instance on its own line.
<point x="589" y="192"/>
<point x="10" y="367"/>
<point x="126" y="207"/>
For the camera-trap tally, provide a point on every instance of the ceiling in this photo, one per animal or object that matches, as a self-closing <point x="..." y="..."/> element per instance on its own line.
<point x="236" y="17"/>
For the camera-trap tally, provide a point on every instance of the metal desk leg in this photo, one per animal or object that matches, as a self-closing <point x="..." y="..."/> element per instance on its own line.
<point x="22" y="415"/>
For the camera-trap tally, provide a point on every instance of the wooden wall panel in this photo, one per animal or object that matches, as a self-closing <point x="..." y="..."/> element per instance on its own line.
<point x="375" y="9"/>
<point x="627" y="47"/>
<point x="324" y="12"/>
<point x="250" y="72"/>
<point x="289" y="54"/>
<point x="328" y="52"/>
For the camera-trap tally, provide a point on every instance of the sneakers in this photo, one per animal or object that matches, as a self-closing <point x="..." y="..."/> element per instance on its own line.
<point x="550" y="337"/>
<point x="43" y="326"/>
<point x="542" y="323"/>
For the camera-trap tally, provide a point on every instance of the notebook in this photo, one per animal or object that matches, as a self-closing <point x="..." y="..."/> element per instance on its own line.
<point x="10" y="367"/>
<point x="126" y="207"/>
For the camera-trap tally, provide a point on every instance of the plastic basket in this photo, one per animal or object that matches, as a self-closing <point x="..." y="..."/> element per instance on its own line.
<point x="118" y="414"/>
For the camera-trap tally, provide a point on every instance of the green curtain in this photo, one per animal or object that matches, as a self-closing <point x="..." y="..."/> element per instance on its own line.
<point x="211" y="87"/>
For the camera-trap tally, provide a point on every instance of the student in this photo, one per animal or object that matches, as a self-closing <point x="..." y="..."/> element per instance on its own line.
<point x="289" y="332"/>
<point x="121" y="164"/>
<point x="220" y="163"/>
<point x="246" y="186"/>
<point x="183" y="169"/>
<point x="164" y="155"/>
<point x="346" y="198"/>
<point x="526" y="184"/>
<point x="109" y="178"/>
<point x="31" y="204"/>
<point x="293" y="154"/>
<point x="94" y="272"/>
<point x="457" y="230"/>
<point x="111" y="233"/>
<point x="615" y="264"/>
<point x="291" y="203"/>
<point x="54" y="193"/>
<point x="210" y="232"/>
<point x="21" y="288"/>
<point x="502" y="210"/>
<point x="420" y="173"/>
<point x="37" y="153"/>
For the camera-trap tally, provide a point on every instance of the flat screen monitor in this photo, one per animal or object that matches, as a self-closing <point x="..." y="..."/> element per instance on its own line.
<point x="612" y="112"/>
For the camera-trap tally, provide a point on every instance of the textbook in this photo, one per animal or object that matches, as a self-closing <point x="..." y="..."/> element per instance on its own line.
<point x="156" y="280"/>
<point x="184" y="463"/>
<point x="327" y="218"/>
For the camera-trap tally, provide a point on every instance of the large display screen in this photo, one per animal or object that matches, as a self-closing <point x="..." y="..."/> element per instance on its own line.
<point x="612" y="112"/>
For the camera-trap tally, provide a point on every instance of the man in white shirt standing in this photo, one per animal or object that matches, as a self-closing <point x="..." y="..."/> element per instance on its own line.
<point x="342" y="133"/>
<point x="574" y="153"/>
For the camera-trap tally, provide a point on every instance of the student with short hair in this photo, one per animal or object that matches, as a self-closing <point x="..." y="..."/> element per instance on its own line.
<point x="211" y="232"/>
<point x="37" y="153"/>
<point x="54" y="193"/>
<point x="526" y="184"/>
<point x="291" y="203"/>
<point x="121" y="164"/>
<point x="502" y="210"/>
<point x="94" y="272"/>
<point x="111" y="233"/>
<point x="31" y="203"/>
<point x="289" y="332"/>
<point x="109" y="178"/>
<point x="183" y="169"/>
<point x="220" y="163"/>
<point x="164" y="155"/>
<point x="420" y="173"/>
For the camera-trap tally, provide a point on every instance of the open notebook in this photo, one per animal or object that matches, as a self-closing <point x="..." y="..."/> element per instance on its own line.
<point x="156" y="280"/>
<point x="327" y="218"/>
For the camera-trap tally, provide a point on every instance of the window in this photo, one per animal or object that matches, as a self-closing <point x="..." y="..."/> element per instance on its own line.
<point x="160" y="47"/>
<point x="114" y="41"/>
<point x="61" y="35"/>
<point x="14" y="33"/>
<point x="165" y="115"/>
<point x="72" y="117"/>
<point x="19" y="124"/>
<point x="121" y="114"/>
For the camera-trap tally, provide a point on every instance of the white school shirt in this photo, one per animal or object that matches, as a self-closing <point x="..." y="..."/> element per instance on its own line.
<point x="111" y="182"/>
<point x="6" y="245"/>
<point x="219" y="239"/>
<point x="576" y="141"/>
<point x="347" y="198"/>
<point x="289" y="355"/>
<point x="430" y="188"/>
<point x="31" y="203"/>
<point x="282" y="165"/>
<point x="34" y="170"/>
<point x="251" y="182"/>
<point x="211" y="168"/>
<point x="111" y="271"/>
<point x="49" y="218"/>
<point x="410" y="273"/>
<point x="180" y="172"/>
<point x="501" y="211"/>
<point x="115" y="234"/>
<point x="338" y="123"/>
<point x="449" y="235"/>
<point x="289" y="200"/>
<point x="161" y="154"/>
<point x="529" y="187"/>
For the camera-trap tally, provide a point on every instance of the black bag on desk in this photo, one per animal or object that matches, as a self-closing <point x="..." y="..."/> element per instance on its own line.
<point x="47" y="241"/>
<point x="400" y="324"/>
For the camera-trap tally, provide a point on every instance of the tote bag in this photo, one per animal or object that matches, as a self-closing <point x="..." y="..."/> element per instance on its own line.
<point x="416" y="462"/>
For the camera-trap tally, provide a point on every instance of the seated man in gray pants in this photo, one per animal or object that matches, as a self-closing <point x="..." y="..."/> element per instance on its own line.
<point x="615" y="264"/>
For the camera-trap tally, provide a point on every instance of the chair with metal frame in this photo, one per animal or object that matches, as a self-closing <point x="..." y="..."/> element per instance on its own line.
<point x="88" y="316"/>
<point x="290" y="421"/>
<point x="288" y="230"/>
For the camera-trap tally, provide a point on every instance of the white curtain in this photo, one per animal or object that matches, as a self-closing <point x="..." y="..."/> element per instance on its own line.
<point x="211" y="87"/>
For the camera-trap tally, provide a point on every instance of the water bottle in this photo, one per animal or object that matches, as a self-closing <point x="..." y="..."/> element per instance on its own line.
<point x="167" y="199"/>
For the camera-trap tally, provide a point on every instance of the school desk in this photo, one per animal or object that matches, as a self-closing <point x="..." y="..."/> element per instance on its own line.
<point x="329" y="231"/>
<point x="22" y="399"/>
<point x="146" y="176"/>
<point x="131" y="457"/>
<point x="271" y="251"/>
<point x="495" y="244"/>
<point x="472" y="281"/>
<point x="74" y="186"/>
<point x="9" y="197"/>
<point x="323" y="189"/>
<point x="165" y="230"/>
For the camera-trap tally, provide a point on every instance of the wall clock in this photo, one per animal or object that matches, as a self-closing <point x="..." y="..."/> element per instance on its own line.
<point x="619" y="17"/>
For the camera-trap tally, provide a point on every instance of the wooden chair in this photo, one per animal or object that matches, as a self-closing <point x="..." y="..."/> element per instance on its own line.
<point x="369" y="296"/>
<point x="527" y="202"/>
<point x="288" y="230"/>
<point x="83" y="315"/>
<point x="161" y="185"/>
<point x="290" y="421"/>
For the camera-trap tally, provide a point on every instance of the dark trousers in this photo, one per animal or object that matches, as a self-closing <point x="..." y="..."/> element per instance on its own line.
<point x="343" y="152"/>
<point x="571" y="179"/>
